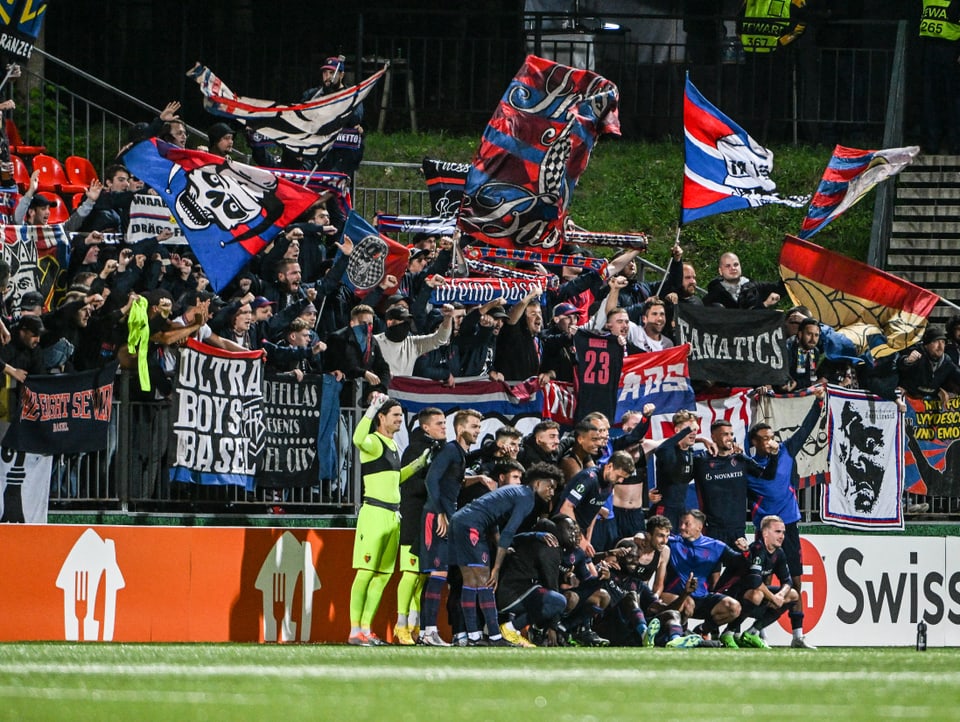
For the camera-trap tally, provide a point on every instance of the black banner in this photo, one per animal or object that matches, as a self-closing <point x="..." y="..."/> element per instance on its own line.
<point x="445" y="181"/>
<point x="733" y="347"/>
<point x="20" y="23"/>
<point x="291" y="415"/>
<point x="63" y="414"/>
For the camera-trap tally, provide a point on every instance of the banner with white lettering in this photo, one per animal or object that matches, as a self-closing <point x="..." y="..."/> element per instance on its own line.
<point x="866" y="462"/>
<point x="218" y="428"/>
<point x="932" y="465"/>
<point x="20" y="24"/>
<point x="734" y="347"/>
<point x="24" y="487"/>
<point x="291" y="415"/>
<point x="658" y="378"/>
<point x="148" y="216"/>
<point x="63" y="414"/>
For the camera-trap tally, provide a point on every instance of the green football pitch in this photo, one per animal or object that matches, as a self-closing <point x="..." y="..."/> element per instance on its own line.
<point x="317" y="682"/>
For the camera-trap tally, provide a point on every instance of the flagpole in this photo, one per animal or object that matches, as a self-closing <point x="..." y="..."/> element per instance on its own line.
<point x="666" y="275"/>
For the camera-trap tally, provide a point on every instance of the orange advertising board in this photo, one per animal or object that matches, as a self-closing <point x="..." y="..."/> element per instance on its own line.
<point x="179" y="584"/>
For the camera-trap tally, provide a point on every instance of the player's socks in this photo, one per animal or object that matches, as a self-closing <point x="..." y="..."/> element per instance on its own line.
<point x="674" y="630"/>
<point x="468" y="605"/>
<point x="797" y="631"/>
<point x="488" y="606"/>
<point x="770" y="616"/>
<point x="406" y="589"/>
<point x="796" y="623"/>
<point x="430" y="608"/>
<point x="639" y="622"/>
<point x="402" y="620"/>
<point x="413" y="619"/>
<point x="358" y="594"/>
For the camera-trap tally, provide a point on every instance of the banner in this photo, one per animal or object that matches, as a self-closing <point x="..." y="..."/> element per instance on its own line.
<point x="218" y="428"/>
<point x="487" y="397"/>
<point x="533" y="151"/>
<point x="291" y="417"/>
<point x="876" y="311"/>
<point x="733" y="405"/>
<point x="228" y="211"/>
<point x="785" y="414"/>
<point x="475" y="253"/>
<point x="308" y="129"/>
<point x="326" y="184"/>
<point x="24" y="487"/>
<point x="374" y="256"/>
<point x="148" y="216"/>
<point x="63" y="414"/>
<point x="737" y="348"/>
<point x="660" y="378"/>
<point x="932" y="461"/>
<point x="476" y="291"/>
<point x="724" y="168"/>
<point x="560" y="402"/>
<point x="23" y="249"/>
<point x="850" y="175"/>
<point x="434" y="225"/>
<point x="445" y="182"/>
<point x="866" y="462"/>
<point x="20" y="24"/>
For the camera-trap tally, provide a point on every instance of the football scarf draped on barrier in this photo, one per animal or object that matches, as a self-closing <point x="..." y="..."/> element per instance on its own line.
<point x="63" y="414"/>
<point x="724" y="168"/>
<point x="738" y="348"/>
<point x="291" y="415"/>
<point x="217" y="416"/>
<point x="487" y="397"/>
<point x="309" y="129"/>
<point x="227" y="210"/>
<point x="533" y="151"/>
<point x="374" y="256"/>
<point x="866" y="462"/>
<point x="874" y="310"/>
<point x="850" y="175"/>
<point x="498" y="271"/>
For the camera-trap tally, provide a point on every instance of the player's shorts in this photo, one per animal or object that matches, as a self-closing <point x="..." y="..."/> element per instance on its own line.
<point x="409" y="561"/>
<point x="629" y="521"/>
<point x="791" y="550"/>
<point x="728" y="535"/>
<point x="702" y="606"/>
<point x="434" y="549"/>
<point x="376" y="540"/>
<point x="469" y="546"/>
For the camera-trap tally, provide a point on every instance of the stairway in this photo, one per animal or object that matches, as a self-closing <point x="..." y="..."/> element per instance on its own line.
<point x="924" y="246"/>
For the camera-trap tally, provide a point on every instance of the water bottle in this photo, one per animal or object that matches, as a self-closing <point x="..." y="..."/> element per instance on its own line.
<point x="922" y="636"/>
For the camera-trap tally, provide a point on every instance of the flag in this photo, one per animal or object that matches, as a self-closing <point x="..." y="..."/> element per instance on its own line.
<point x="20" y="24"/>
<point x="308" y="129"/>
<point x="8" y="204"/>
<point x="218" y="426"/>
<point x="487" y="397"/>
<point x="737" y="348"/>
<point x="445" y="182"/>
<point x="326" y="184"/>
<point x="724" y="168"/>
<point x="228" y="211"/>
<point x="37" y="256"/>
<point x="149" y="216"/>
<point x="876" y="311"/>
<point x="785" y="414"/>
<point x="660" y="378"/>
<point x="533" y="151"/>
<point x="850" y="175"/>
<point x="866" y="462"/>
<point x="374" y="256"/>
<point x="434" y="225"/>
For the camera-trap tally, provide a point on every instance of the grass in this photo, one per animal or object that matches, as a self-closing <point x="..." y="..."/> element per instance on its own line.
<point x="634" y="186"/>
<point x="267" y="682"/>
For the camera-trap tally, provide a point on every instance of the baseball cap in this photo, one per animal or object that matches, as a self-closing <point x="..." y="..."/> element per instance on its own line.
<point x="334" y="63"/>
<point x="260" y="302"/>
<point x="398" y="313"/>
<point x="564" y="309"/>
<point x="38" y="201"/>
<point x="31" y="299"/>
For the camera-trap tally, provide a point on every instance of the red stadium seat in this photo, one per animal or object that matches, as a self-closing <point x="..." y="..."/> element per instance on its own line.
<point x="58" y="211"/>
<point x="52" y="177"/>
<point x="16" y="142"/>
<point x="79" y="170"/>
<point x="21" y="174"/>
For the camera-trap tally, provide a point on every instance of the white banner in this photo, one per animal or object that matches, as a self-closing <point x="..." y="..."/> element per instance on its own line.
<point x="148" y="216"/>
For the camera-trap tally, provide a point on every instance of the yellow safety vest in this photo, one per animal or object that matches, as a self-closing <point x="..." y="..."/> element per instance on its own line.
<point x="766" y="25"/>
<point x="934" y="23"/>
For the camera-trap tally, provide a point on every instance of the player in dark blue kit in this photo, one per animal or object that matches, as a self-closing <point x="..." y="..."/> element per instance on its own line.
<point x="693" y="553"/>
<point x="585" y="494"/>
<point x="778" y="496"/>
<point x="750" y="583"/>
<point x="497" y="515"/>
<point x="674" y="466"/>
<point x="443" y="482"/>
<point x="581" y="583"/>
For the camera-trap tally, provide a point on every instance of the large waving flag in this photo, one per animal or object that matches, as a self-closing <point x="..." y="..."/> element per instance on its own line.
<point x="661" y="378"/>
<point x="308" y="129"/>
<point x="850" y="175"/>
<point x="374" y="256"/>
<point x="877" y="311"/>
<point x="228" y="211"/>
<point x="533" y="151"/>
<point x="724" y="168"/>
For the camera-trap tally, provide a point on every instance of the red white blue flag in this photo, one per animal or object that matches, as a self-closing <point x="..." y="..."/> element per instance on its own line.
<point x="850" y="175"/>
<point x="228" y="211"/>
<point x="724" y="168"/>
<point x="374" y="256"/>
<point x="533" y="151"/>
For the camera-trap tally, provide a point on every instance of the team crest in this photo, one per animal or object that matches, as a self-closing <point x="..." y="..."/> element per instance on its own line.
<point x="474" y="537"/>
<point x="485" y="558"/>
<point x="366" y="557"/>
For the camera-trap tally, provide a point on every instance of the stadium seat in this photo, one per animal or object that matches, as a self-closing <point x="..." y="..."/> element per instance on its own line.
<point x="52" y="176"/>
<point x="58" y="211"/>
<point x="16" y="142"/>
<point x="21" y="174"/>
<point x="79" y="170"/>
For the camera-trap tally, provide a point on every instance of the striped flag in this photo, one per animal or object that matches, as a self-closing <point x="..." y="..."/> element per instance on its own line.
<point x="724" y="168"/>
<point x="850" y="175"/>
